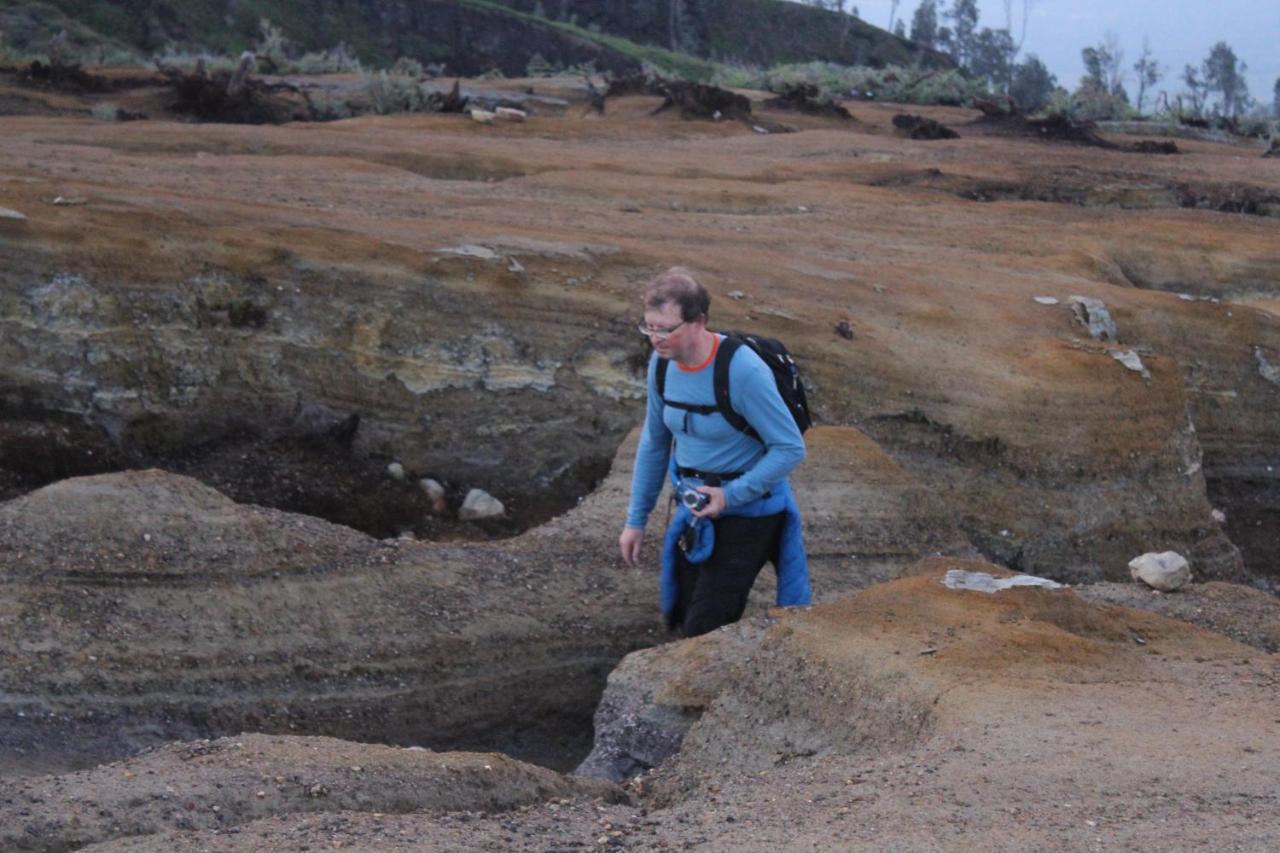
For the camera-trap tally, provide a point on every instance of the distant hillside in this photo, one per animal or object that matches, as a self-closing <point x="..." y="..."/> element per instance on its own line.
<point x="473" y="36"/>
<point x="751" y="32"/>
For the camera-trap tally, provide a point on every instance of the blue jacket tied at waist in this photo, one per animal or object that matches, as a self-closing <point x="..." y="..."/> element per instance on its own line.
<point x="792" y="568"/>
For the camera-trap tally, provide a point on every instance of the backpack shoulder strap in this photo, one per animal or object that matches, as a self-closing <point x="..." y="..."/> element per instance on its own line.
<point x="728" y="346"/>
<point x="660" y="385"/>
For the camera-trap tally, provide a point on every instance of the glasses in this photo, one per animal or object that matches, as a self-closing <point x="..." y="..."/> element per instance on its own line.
<point x="659" y="334"/>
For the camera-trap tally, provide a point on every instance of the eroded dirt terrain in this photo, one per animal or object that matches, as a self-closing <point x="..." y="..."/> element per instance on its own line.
<point x="274" y="314"/>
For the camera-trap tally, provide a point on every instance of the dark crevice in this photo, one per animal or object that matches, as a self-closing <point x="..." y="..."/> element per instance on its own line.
<point x="318" y="475"/>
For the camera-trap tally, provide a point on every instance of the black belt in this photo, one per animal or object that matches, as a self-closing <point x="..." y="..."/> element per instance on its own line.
<point x="708" y="478"/>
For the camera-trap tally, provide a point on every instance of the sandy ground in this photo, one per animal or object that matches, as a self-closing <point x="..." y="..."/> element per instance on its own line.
<point x="901" y="717"/>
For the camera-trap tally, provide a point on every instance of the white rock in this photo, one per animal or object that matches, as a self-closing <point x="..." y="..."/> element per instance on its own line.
<point x="1133" y="361"/>
<point x="434" y="491"/>
<point x="1166" y="571"/>
<point x="480" y="504"/>
<point x="986" y="582"/>
<point x="736" y="294"/>
<point x="1046" y="300"/>
<point x="482" y="116"/>
<point x="509" y="114"/>
<point x="395" y="471"/>
<point x="1094" y="316"/>
<point x="1266" y="369"/>
<point x="6" y="213"/>
<point x="471" y="250"/>
<point x="1219" y="516"/>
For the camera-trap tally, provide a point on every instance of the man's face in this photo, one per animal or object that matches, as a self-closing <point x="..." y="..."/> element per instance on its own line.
<point x="669" y="335"/>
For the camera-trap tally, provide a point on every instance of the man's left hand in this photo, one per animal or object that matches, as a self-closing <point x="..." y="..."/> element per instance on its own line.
<point x="715" y="502"/>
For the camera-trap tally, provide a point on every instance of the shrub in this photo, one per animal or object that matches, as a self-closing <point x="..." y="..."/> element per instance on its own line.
<point x="894" y="83"/>
<point x="271" y="47"/>
<point x="739" y="77"/>
<point x="539" y="67"/>
<point x="326" y="106"/>
<point x="1091" y="104"/>
<point x="394" y="93"/>
<point x="407" y="67"/>
<point x="174" y="57"/>
<point x="335" y="60"/>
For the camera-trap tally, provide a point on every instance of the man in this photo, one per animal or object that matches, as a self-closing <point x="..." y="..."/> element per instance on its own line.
<point x="749" y="516"/>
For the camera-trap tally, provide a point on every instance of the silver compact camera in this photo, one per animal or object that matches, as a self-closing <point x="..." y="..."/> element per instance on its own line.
<point x="691" y="497"/>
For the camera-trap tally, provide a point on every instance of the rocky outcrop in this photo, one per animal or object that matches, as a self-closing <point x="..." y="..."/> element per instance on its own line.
<point x="143" y="607"/>
<point x="226" y="783"/>
<point x="871" y="674"/>
<point x="224" y="355"/>
<point x="653" y="698"/>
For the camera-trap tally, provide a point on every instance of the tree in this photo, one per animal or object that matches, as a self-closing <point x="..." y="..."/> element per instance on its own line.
<point x="1008" y="26"/>
<point x="964" y="18"/>
<point x="900" y="29"/>
<point x="893" y="13"/>
<point x="1197" y="89"/>
<point x="992" y="58"/>
<point x="924" y="23"/>
<point x="1102" y="67"/>
<point x="1149" y="72"/>
<point x="1094" y="75"/>
<point x="1275" y="106"/>
<point x="1224" y="74"/>
<point x="1032" y="85"/>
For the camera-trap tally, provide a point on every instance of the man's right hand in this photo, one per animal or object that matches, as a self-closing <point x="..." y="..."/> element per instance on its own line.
<point x="629" y="544"/>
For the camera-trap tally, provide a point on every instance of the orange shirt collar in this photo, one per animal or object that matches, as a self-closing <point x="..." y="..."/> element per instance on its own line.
<point x="715" y="345"/>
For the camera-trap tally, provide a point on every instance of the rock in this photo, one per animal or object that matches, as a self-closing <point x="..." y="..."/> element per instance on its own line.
<point x="482" y="116"/>
<point x="470" y="250"/>
<point x="509" y="114"/>
<point x="1167" y="571"/>
<point x="1095" y="317"/>
<point x="70" y="201"/>
<point x="919" y="127"/>
<point x="1131" y="360"/>
<point x="986" y="582"/>
<point x="1267" y="369"/>
<point x="844" y="330"/>
<point x="736" y="294"/>
<point x="1156" y="146"/>
<point x="648" y="706"/>
<point x="396" y="471"/>
<point x="1219" y="516"/>
<point x="1046" y="300"/>
<point x="6" y="213"/>
<point x="1274" y="150"/>
<point x="514" y="266"/>
<point x="435" y="492"/>
<point x="480" y="504"/>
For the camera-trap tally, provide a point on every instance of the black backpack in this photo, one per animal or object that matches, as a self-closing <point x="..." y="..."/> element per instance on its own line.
<point x="785" y="374"/>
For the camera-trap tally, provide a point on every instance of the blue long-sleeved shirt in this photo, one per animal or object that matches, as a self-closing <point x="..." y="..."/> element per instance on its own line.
<point x="709" y="442"/>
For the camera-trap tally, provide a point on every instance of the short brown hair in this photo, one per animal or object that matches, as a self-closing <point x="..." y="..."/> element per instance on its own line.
<point x="678" y="285"/>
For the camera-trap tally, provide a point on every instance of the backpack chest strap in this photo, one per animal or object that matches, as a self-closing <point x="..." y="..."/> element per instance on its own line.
<point x="720" y="380"/>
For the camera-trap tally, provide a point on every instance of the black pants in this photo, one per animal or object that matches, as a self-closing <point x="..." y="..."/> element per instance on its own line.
<point x="714" y="593"/>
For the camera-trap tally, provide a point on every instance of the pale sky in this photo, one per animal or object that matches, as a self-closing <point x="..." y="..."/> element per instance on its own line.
<point x="1181" y="32"/>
